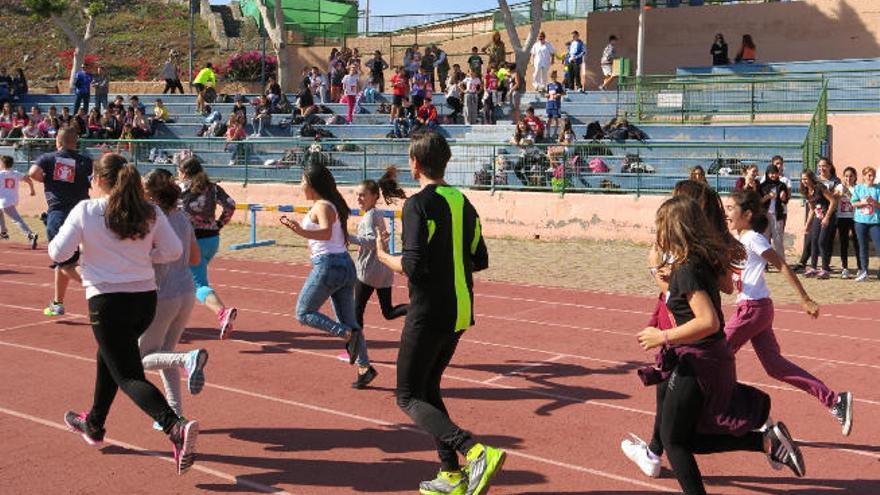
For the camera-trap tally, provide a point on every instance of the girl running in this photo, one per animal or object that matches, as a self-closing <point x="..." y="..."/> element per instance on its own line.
<point x="200" y="198"/>
<point x="704" y="409"/>
<point x="866" y="200"/>
<point x="753" y="320"/>
<point x="333" y="273"/>
<point x="820" y="233"/>
<point x="176" y="298"/>
<point x="846" y="225"/>
<point x="372" y="275"/>
<point x="120" y="236"/>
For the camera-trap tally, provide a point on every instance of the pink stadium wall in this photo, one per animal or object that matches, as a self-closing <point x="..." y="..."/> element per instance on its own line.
<point x="789" y="31"/>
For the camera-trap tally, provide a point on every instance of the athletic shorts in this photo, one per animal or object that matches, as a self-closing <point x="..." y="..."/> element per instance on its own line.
<point x="553" y="110"/>
<point x="607" y="70"/>
<point x="397" y="100"/>
<point x="54" y="220"/>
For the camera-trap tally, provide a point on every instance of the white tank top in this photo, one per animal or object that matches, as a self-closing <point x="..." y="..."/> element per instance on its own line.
<point x="336" y="244"/>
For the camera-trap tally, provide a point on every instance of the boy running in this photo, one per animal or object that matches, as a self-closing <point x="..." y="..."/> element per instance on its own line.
<point x="442" y="246"/>
<point x="9" y="183"/>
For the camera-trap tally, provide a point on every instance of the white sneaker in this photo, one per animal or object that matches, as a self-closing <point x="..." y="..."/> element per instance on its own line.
<point x="862" y="276"/>
<point x="637" y="451"/>
<point x="844" y="274"/>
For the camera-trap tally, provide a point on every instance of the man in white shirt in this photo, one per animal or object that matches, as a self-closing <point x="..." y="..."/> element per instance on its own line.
<point x="542" y="59"/>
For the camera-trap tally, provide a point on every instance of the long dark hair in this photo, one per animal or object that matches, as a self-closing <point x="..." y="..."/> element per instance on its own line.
<point x="160" y="186"/>
<point x="747" y="41"/>
<point x="749" y="200"/>
<point x="684" y="232"/>
<point x="710" y="203"/>
<point x="322" y="181"/>
<point x="193" y="171"/>
<point x="128" y="213"/>
<point x="387" y="186"/>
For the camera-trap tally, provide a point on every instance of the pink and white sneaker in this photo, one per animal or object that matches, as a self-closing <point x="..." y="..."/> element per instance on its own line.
<point x="343" y="356"/>
<point x="78" y="423"/>
<point x="226" y="318"/>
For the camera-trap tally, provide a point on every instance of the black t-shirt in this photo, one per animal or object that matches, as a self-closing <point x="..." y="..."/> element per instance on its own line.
<point x="66" y="178"/>
<point x="692" y="277"/>
<point x="305" y="99"/>
<point x="818" y="201"/>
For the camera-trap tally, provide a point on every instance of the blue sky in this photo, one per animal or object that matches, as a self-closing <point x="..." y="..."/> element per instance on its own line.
<point x="388" y="7"/>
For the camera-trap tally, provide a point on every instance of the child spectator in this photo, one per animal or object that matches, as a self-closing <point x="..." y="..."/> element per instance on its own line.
<point x="337" y="72"/>
<point x="490" y="97"/>
<point x="305" y="103"/>
<point x="866" y="200"/>
<point x="555" y="91"/>
<point x="263" y="116"/>
<point x="475" y="62"/>
<point x="503" y="74"/>
<point x="419" y="89"/>
<point x="427" y="115"/>
<point x="400" y="87"/>
<point x="234" y="133"/>
<point x="9" y="183"/>
<point x="350" y="86"/>
<point x="472" y="85"/>
<point x="319" y="85"/>
<point x="846" y="228"/>
<point x="453" y="99"/>
<point x="535" y="124"/>
<point x="377" y="68"/>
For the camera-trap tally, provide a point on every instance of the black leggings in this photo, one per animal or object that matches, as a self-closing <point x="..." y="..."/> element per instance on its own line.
<point x="846" y="230"/>
<point x="423" y="357"/>
<point x="118" y="320"/>
<point x="679" y="405"/>
<point x="362" y="293"/>
<point x="171" y="85"/>
<point x="821" y="240"/>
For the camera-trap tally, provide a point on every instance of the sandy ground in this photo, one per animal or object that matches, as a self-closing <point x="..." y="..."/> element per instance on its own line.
<point x="616" y="267"/>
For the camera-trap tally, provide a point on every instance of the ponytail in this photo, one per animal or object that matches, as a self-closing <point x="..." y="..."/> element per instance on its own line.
<point x="389" y="186"/>
<point x="321" y="180"/>
<point x="128" y="213"/>
<point x="194" y="172"/>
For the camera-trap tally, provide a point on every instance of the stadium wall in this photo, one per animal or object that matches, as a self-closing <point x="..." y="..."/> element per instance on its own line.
<point x="783" y="32"/>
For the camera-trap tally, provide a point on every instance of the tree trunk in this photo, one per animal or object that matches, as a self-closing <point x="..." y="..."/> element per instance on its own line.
<point x="521" y="58"/>
<point x="80" y="43"/>
<point x="274" y="26"/>
<point x="522" y="51"/>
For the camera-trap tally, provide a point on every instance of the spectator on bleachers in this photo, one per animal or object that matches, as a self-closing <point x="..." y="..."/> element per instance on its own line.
<point x="523" y="134"/>
<point x="354" y="60"/>
<point x="140" y="127"/>
<point x="82" y="87"/>
<point x="475" y="62"/>
<point x="774" y="194"/>
<point x="5" y="120"/>
<point x="19" y="84"/>
<point x="749" y="180"/>
<point x="472" y="85"/>
<point x="337" y="73"/>
<point x="263" y="116"/>
<point x="399" y="91"/>
<point x="866" y="200"/>
<point x="535" y="124"/>
<point x="117" y="107"/>
<point x="457" y="75"/>
<point x="418" y="89"/>
<point x="428" y="60"/>
<point x="377" y="66"/>
<point x="453" y="100"/>
<point x="517" y="88"/>
<point x="698" y="174"/>
<point x="160" y="112"/>
<point x="846" y="227"/>
<point x="606" y="62"/>
<point x="747" y="51"/>
<point x="427" y="115"/>
<point x="19" y="120"/>
<point x="111" y="125"/>
<point x="564" y="149"/>
<point x="333" y="58"/>
<point x="65" y="118"/>
<point x="542" y="58"/>
<point x="36" y="115"/>
<point x="171" y="74"/>
<point x="441" y="63"/>
<point x="5" y="86"/>
<point x="319" y="85"/>
<point x="49" y="126"/>
<point x="576" y="52"/>
<point x="350" y="88"/>
<point x="102" y="88"/>
<point x="135" y="103"/>
<point x="415" y="61"/>
<point x="503" y="74"/>
<point x="234" y="134"/>
<point x="272" y="92"/>
<point x="29" y="134"/>
<point x="125" y="135"/>
<point x="719" y="51"/>
<point x="305" y="103"/>
<point x="496" y="50"/>
<point x="490" y="95"/>
<point x="94" y="130"/>
<point x="240" y="107"/>
<point x="555" y="92"/>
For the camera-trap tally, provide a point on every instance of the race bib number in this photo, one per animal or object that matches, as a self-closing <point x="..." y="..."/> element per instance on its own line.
<point x="846" y="206"/>
<point x="867" y="210"/>
<point x="736" y="276"/>
<point x="9" y="183"/>
<point x="65" y="170"/>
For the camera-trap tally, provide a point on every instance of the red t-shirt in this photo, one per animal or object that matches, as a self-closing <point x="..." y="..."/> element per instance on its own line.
<point x="535" y="124"/>
<point x="400" y="85"/>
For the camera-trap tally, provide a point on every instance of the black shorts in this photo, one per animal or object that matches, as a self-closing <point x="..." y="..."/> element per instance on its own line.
<point x="397" y="100"/>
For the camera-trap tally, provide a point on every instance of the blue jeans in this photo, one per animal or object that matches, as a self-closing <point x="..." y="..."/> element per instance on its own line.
<point x="863" y="232"/>
<point x="332" y="277"/>
<point x="81" y="100"/>
<point x="208" y="247"/>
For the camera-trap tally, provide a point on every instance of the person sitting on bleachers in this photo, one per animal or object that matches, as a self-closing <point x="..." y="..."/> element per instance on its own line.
<point x="117" y="107"/>
<point x="80" y="121"/>
<point x="240" y="107"/>
<point x="30" y="132"/>
<point x="263" y="116"/>
<point x="523" y="134"/>
<point x="111" y="125"/>
<point x="134" y="102"/>
<point x="305" y="103"/>
<point x="212" y="116"/>
<point x="5" y="120"/>
<point x="427" y="115"/>
<point x="535" y="124"/>
<point x="49" y="126"/>
<point x="65" y="118"/>
<point x="36" y="115"/>
<point x="140" y="127"/>
<point x="234" y="133"/>
<point x="94" y="130"/>
<point x="160" y="112"/>
<point x="273" y="91"/>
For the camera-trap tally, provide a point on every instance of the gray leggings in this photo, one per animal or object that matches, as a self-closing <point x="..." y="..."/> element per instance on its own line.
<point x="16" y="219"/>
<point x="159" y="340"/>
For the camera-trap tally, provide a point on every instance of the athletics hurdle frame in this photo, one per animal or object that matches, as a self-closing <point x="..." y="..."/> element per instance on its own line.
<point x="253" y="208"/>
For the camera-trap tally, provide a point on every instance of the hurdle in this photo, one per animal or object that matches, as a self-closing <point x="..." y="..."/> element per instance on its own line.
<point x="253" y="208"/>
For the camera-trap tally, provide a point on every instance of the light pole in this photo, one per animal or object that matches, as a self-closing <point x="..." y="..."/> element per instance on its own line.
<point x="263" y="60"/>
<point x="640" y="54"/>
<point x="193" y="4"/>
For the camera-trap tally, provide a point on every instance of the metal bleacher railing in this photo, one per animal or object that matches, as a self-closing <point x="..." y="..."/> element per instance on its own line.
<point x="632" y="166"/>
<point x="607" y="5"/>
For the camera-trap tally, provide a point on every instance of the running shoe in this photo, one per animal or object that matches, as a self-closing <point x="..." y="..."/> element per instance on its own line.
<point x="810" y="272"/>
<point x="78" y="423"/>
<point x="484" y="463"/>
<point x="33" y="238"/>
<point x="342" y="356"/>
<point x="352" y="346"/>
<point x="862" y="276"/>
<point x="844" y="274"/>
<point x="784" y="451"/>
<point x="823" y="274"/>
<point x="54" y="309"/>
<point x="226" y="318"/>
<point x="842" y="410"/>
<point x="636" y="450"/>
<point x="4" y="236"/>
<point x="157" y="426"/>
<point x="365" y="378"/>
<point x="446" y="483"/>
<point x="183" y="438"/>
<point x="195" y="370"/>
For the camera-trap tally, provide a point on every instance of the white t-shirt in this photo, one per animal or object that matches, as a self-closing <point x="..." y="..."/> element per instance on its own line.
<point x="350" y="85"/>
<point x="845" y="208"/>
<point x="749" y="280"/>
<point x="10" y="180"/>
<point x="542" y="54"/>
<point x="473" y="84"/>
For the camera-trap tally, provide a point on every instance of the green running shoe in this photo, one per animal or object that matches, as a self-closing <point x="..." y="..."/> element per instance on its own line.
<point x="446" y="483"/>
<point x="483" y="463"/>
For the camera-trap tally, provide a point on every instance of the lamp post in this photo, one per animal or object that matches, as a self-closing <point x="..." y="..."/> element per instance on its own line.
<point x="640" y="54"/>
<point x="193" y="5"/>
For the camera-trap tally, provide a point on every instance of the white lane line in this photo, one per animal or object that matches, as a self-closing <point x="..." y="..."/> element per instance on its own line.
<point x="40" y="323"/>
<point x="128" y="446"/>
<point x="336" y="412"/>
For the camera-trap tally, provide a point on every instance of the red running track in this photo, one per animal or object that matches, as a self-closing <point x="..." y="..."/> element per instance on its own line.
<point x="546" y="373"/>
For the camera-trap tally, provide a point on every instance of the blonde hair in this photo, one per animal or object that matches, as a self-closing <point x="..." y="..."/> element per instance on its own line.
<point x="869" y="169"/>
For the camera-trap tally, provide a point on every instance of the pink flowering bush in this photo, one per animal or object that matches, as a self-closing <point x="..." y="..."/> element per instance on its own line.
<point x="246" y="66"/>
